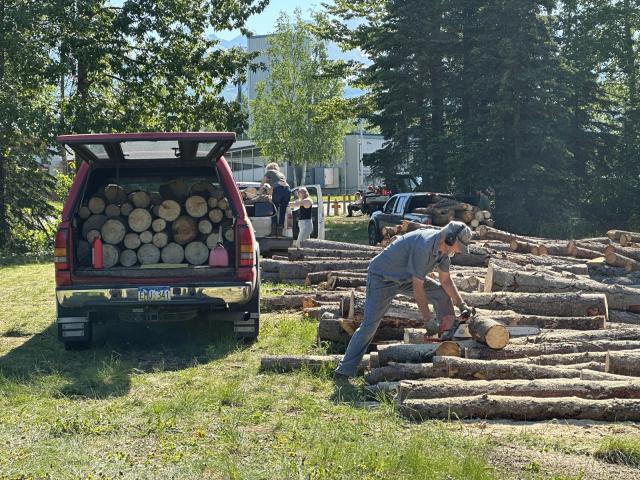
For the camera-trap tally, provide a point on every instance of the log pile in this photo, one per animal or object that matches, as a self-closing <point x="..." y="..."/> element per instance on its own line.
<point x="443" y="210"/>
<point x="179" y="224"/>
<point x="581" y="362"/>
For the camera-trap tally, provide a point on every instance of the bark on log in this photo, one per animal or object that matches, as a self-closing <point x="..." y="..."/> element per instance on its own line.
<point x="196" y="206"/>
<point x="554" y="249"/>
<point x="126" y="209"/>
<point x="417" y="353"/>
<point x="616" y="234"/>
<point x="400" y="371"/>
<point x="563" y="359"/>
<point x="140" y="199"/>
<point x="97" y="205"/>
<point x="146" y="236"/>
<point x="520" y="246"/>
<point x="132" y="240"/>
<point x="629" y="332"/>
<point x="172" y="253"/>
<point x="617" y="260"/>
<point x="169" y="210"/>
<point x="113" y="231"/>
<point x="128" y="258"/>
<point x="94" y="222"/>
<point x="479" y="351"/>
<point x="302" y="253"/>
<point x="196" y="253"/>
<point x="629" y="252"/>
<point x="513" y="319"/>
<point x="313" y="363"/>
<point x="623" y="363"/>
<point x="204" y="189"/>
<point x="499" y="278"/>
<point x="586" y="254"/>
<point x="156" y="198"/>
<point x="299" y="270"/>
<point x="489" y="332"/>
<point x="540" y="388"/>
<point x="110" y="255"/>
<point x="112" y="211"/>
<point x="159" y="225"/>
<point x="522" y="408"/>
<point x="596" y="247"/>
<point x="330" y="245"/>
<point x="598" y="376"/>
<point x="335" y="309"/>
<point x="620" y="316"/>
<point x="139" y="220"/>
<point x="547" y="304"/>
<point x="345" y="282"/>
<point x="114" y="194"/>
<point x="184" y="230"/>
<point x="148" y="254"/>
<point x="469" y="369"/>
<point x="205" y="227"/>
<point x="339" y="330"/>
<point x="160" y="239"/>
<point x="216" y="215"/>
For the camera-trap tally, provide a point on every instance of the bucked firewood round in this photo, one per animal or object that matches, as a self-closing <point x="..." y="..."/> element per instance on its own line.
<point x="148" y="254"/>
<point x="184" y="230"/>
<point x="196" y="206"/>
<point x="172" y="253"/>
<point x="196" y="253"/>
<point x="139" y="220"/>
<point x="113" y="231"/>
<point x="128" y="258"/>
<point x="169" y="210"/>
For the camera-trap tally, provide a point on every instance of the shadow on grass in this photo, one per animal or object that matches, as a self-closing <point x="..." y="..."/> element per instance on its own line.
<point x="118" y="351"/>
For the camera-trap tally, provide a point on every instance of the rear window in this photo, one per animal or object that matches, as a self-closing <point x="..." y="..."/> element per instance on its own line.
<point x="420" y="201"/>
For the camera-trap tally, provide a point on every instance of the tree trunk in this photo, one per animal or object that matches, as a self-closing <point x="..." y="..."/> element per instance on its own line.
<point x="139" y="220"/>
<point x="148" y="254"/>
<point x="513" y="319"/>
<point x="479" y="351"/>
<point x="547" y="304"/>
<point x="499" y="278"/>
<point x="469" y="369"/>
<point x="522" y="408"/>
<point x="489" y="332"/>
<point x="416" y="353"/>
<point x="540" y="388"/>
<point x="184" y="230"/>
<point x="623" y="363"/>
<point x="196" y="253"/>
<point x="113" y="231"/>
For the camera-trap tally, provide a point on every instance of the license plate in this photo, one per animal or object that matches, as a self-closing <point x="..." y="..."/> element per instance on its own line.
<point x="154" y="294"/>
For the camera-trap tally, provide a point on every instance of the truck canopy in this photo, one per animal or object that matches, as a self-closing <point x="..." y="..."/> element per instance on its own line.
<point x="157" y="148"/>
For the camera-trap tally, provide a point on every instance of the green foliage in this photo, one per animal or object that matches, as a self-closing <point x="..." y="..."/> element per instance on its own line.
<point x="623" y="450"/>
<point x="299" y="114"/>
<point x="63" y="185"/>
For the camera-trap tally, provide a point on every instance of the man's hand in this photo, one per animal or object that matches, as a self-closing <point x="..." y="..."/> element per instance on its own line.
<point x="465" y="310"/>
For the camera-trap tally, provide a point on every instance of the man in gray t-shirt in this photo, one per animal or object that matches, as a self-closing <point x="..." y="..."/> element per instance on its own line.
<point x="402" y="268"/>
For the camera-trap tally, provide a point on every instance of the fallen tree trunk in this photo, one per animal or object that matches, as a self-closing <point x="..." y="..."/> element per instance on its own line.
<point x="468" y="369"/>
<point x="546" y="304"/>
<point x="597" y="322"/>
<point x="544" y="388"/>
<point x="523" y="408"/>
<point x="562" y="336"/>
<point x="499" y="278"/>
<point x="617" y="260"/>
<point x="417" y="353"/>
<point x="400" y="371"/>
<point x="619" y="316"/>
<point x="623" y="363"/>
<point x="330" y="245"/>
<point x="563" y="359"/>
<point x="479" y="351"/>
<point x="489" y="332"/>
<point x="314" y="363"/>
<point x="302" y="253"/>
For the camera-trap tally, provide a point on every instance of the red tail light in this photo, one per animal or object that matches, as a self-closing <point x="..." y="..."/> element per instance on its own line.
<point x="246" y="245"/>
<point x="61" y="257"/>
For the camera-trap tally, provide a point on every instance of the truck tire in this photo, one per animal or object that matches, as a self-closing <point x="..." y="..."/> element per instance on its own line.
<point x="374" y="237"/>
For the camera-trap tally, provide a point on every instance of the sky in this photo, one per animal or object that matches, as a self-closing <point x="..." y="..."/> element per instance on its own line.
<point x="264" y="22"/>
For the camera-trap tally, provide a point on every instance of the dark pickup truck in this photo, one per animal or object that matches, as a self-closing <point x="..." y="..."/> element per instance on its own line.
<point x="172" y="278"/>
<point x="400" y="207"/>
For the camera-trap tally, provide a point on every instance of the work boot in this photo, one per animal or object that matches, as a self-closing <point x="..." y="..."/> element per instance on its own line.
<point x="274" y="230"/>
<point x="279" y="231"/>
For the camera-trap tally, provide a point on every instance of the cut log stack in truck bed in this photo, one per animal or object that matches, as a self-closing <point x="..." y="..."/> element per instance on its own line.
<point x="585" y="307"/>
<point x="176" y="229"/>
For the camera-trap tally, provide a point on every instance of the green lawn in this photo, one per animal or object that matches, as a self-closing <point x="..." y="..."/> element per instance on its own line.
<point x="347" y="229"/>
<point x="190" y="403"/>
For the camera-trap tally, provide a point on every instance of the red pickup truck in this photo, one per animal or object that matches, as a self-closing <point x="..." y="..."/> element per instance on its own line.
<point x="154" y="206"/>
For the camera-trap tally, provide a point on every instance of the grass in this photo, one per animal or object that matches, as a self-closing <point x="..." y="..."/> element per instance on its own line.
<point x="624" y="450"/>
<point x="347" y="229"/>
<point x="186" y="402"/>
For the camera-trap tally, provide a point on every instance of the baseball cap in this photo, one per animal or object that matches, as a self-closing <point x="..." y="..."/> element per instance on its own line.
<point x="463" y="234"/>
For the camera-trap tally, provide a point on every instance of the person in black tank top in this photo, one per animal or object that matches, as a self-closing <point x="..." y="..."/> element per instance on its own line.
<point x="305" y="224"/>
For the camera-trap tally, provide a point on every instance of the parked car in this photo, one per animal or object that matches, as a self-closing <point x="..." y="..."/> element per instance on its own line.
<point x="261" y="214"/>
<point x="226" y="287"/>
<point x="400" y="207"/>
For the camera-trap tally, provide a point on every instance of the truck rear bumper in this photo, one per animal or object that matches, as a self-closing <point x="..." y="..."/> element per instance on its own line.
<point x="222" y="295"/>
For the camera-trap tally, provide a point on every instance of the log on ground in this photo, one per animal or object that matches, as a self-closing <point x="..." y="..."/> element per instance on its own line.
<point x="479" y="351"/>
<point x="597" y="322"/>
<point x="623" y="363"/>
<point x="468" y="369"/>
<point x="314" y="363"/>
<point x="330" y="245"/>
<point x="522" y="408"/>
<point x="544" y="388"/>
<point x="400" y="371"/>
<point x="489" y="332"/>
<point x="417" y="353"/>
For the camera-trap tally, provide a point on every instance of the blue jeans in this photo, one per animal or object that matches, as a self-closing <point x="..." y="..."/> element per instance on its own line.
<point x="280" y="198"/>
<point x="379" y="294"/>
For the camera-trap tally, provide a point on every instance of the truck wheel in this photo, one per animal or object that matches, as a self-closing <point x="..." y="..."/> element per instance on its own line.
<point x="373" y="235"/>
